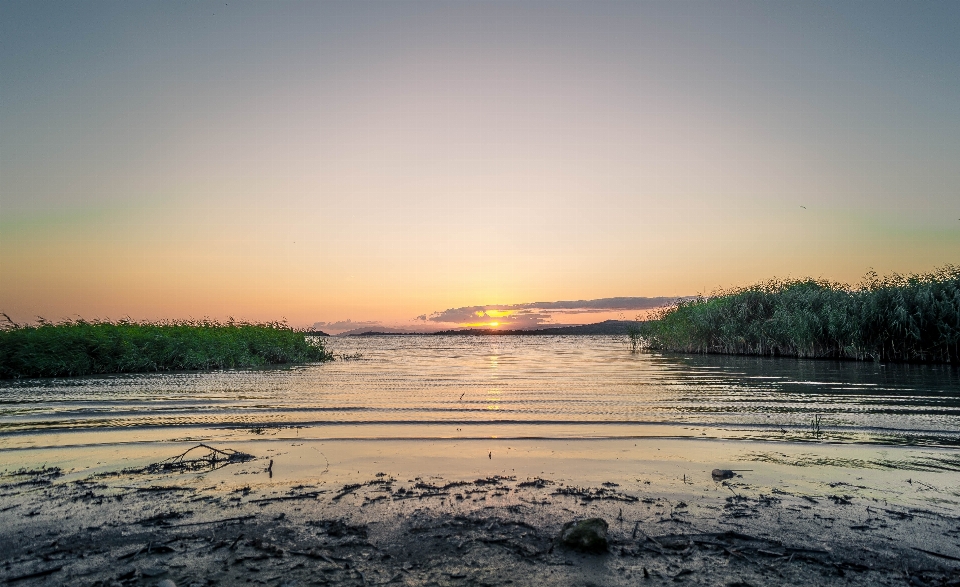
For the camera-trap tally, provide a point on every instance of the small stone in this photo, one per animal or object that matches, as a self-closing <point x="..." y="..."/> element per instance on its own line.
<point x="153" y="571"/>
<point x="166" y="583"/>
<point x="586" y="535"/>
<point x="721" y="474"/>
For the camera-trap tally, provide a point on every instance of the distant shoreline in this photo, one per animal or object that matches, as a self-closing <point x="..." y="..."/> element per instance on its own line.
<point x="609" y="327"/>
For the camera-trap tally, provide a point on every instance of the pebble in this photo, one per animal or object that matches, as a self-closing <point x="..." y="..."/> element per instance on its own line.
<point x="166" y="583"/>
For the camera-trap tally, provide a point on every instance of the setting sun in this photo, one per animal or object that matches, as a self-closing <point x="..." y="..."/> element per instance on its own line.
<point x="479" y="324"/>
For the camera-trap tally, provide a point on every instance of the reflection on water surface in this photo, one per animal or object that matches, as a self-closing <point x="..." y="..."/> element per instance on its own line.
<point x="508" y="386"/>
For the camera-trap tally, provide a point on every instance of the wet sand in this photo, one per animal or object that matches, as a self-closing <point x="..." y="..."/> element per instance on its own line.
<point x="482" y="512"/>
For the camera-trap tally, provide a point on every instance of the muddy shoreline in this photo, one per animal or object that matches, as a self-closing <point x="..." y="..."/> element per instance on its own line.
<point x="226" y="526"/>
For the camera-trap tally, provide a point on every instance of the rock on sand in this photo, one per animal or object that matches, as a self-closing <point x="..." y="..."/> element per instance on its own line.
<point x="588" y="535"/>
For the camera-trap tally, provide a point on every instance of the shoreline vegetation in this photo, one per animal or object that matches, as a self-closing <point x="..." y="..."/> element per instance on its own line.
<point x="78" y="347"/>
<point x="896" y="318"/>
<point x="911" y="319"/>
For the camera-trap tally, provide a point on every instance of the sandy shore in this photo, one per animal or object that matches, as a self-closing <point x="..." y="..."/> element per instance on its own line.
<point x="492" y="522"/>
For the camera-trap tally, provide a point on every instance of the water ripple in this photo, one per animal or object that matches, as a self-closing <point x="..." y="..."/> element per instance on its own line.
<point x="523" y="381"/>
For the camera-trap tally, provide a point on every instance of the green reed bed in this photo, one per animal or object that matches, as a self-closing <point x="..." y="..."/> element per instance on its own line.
<point x="87" y="348"/>
<point x="913" y="318"/>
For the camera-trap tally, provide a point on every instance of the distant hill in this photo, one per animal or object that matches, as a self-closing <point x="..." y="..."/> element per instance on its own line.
<point x="377" y="331"/>
<point x="315" y="333"/>
<point x="605" y="327"/>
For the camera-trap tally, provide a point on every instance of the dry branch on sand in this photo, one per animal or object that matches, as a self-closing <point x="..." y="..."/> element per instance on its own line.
<point x="212" y="459"/>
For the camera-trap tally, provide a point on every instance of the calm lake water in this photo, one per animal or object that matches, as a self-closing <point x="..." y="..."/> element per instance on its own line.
<point x="503" y="387"/>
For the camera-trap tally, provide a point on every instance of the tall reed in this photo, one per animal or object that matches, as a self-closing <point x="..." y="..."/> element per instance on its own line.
<point x="912" y="318"/>
<point x="79" y="347"/>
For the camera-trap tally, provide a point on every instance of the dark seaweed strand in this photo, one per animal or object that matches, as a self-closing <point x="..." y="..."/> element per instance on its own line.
<point x="897" y="318"/>
<point x="79" y="347"/>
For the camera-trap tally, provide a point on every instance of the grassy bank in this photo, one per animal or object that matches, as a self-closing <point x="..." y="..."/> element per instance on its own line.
<point x="89" y="348"/>
<point x="914" y="318"/>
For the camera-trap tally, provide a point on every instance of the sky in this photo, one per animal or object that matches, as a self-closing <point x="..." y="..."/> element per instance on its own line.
<point x="399" y="164"/>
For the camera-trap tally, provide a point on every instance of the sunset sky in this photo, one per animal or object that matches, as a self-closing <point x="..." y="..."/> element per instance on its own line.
<point x="381" y="162"/>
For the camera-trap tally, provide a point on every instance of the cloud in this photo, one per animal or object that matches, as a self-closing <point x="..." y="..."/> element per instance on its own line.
<point x="534" y="313"/>
<point x="623" y="303"/>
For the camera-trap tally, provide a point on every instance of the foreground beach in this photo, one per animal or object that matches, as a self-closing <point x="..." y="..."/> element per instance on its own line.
<point x="480" y="512"/>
